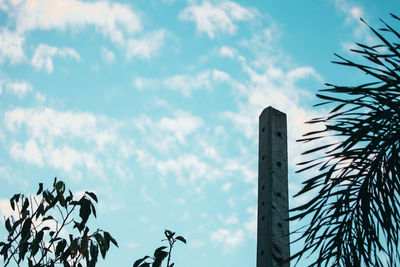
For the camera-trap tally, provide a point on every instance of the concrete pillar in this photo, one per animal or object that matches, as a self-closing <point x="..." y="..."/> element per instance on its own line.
<point x="272" y="229"/>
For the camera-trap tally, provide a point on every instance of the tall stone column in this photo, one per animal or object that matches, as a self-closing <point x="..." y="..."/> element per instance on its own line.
<point x="272" y="228"/>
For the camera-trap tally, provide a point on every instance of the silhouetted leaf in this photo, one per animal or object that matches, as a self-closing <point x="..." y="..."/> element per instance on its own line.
<point x="109" y="238"/>
<point x="92" y="195"/>
<point x="139" y="261"/>
<point x="181" y="238"/>
<point x="354" y="217"/>
<point x="36" y="242"/>
<point x="84" y="210"/>
<point x="40" y="190"/>
<point x="8" y="225"/>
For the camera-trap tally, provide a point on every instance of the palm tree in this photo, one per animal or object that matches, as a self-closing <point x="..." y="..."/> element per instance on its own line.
<point x="354" y="219"/>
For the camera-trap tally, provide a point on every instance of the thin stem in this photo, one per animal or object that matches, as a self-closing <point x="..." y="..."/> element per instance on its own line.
<point x="171" y="244"/>
<point x="57" y="233"/>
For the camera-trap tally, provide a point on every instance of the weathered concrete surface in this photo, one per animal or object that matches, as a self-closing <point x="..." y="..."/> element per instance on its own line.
<point x="272" y="229"/>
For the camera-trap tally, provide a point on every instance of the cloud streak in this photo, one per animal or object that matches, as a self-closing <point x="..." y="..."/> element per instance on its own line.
<point x="213" y="18"/>
<point x="43" y="56"/>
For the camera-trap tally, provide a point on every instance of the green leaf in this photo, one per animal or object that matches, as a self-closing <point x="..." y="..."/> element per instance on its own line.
<point x="102" y="244"/>
<point x="48" y="218"/>
<point x="14" y="199"/>
<point x="40" y="189"/>
<point x="169" y="234"/>
<point x="94" y="253"/>
<point x="61" y="199"/>
<point x="40" y="211"/>
<point x="26" y="229"/>
<point x="159" y="256"/>
<point x="139" y="261"/>
<point x="60" y="186"/>
<point x="84" y="211"/>
<point x="92" y="195"/>
<point x="8" y="225"/>
<point x="23" y="248"/>
<point x="36" y="242"/>
<point x="25" y="205"/>
<point x="92" y="207"/>
<point x="109" y="238"/>
<point x="181" y="238"/>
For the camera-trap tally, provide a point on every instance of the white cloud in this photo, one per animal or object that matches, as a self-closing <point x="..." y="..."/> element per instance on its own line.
<point x="11" y="46"/>
<point x="132" y="245"/>
<point x="220" y="76"/>
<point x="115" y="21"/>
<point x="19" y="88"/>
<point x="3" y="5"/>
<point x="276" y="85"/>
<point x="5" y="173"/>
<point x="209" y="151"/>
<point x="360" y="31"/>
<point x="29" y="152"/>
<point x="142" y="83"/>
<point x="40" y="97"/>
<point x="47" y="123"/>
<point x="232" y="219"/>
<point x="187" y="168"/>
<point x="229" y="239"/>
<point x="43" y="56"/>
<point x="251" y="223"/>
<point x="68" y="159"/>
<point x="186" y="84"/>
<point x="226" y="187"/>
<point x="110" y="19"/>
<point x="146" y="196"/>
<point x="212" y="18"/>
<point x="227" y="51"/>
<point x="107" y="55"/>
<point x="69" y="141"/>
<point x="248" y="174"/>
<point x="168" y="132"/>
<point x="181" y="125"/>
<point x="6" y="210"/>
<point x="146" y="47"/>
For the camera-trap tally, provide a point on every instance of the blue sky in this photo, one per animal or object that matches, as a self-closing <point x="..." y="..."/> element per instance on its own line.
<point x="154" y="106"/>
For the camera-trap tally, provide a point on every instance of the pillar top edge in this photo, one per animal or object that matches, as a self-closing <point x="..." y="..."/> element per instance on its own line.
<point x="270" y="110"/>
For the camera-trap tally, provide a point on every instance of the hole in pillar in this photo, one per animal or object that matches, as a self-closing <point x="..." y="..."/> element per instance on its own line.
<point x="263" y="187"/>
<point x="263" y="157"/>
<point x="279" y="134"/>
<point x="262" y="252"/>
<point x="262" y="218"/>
<point x="278" y="194"/>
<point x="279" y="164"/>
<point x="279" y="225"/>
<point x="263" y="129"/>
<point x="262" y="203"/>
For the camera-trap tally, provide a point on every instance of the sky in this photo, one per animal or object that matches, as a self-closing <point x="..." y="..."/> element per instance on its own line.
<point x="154" y="104"/>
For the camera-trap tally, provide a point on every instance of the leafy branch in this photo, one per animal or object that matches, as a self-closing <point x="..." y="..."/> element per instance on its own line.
<point x="355" y="218"/>
<point x="37" y="233"/>
<point x="160" y="254"/>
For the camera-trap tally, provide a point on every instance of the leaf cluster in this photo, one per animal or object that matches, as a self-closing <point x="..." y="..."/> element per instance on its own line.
<point x="355" y="218"/>
<point x="38" y="231"/>
<point x="160" y="254"/>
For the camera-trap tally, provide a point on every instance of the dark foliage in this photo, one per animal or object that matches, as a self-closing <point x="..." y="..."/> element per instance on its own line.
<point x="35" y="234"/>
<point x="355" y="218"/>
<point x="159" y="254"/>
